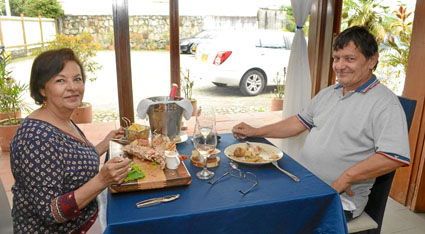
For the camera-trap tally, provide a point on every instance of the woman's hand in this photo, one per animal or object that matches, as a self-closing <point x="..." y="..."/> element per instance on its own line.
<point x="117" y="134"/>
<point x="103" y="146"/>
<point x="114" y="171"/>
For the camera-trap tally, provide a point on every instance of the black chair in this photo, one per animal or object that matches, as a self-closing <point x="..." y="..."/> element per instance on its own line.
<point x="370" y="221"/>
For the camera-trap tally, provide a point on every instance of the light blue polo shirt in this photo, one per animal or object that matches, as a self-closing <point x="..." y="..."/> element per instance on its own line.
<point x="345" y="130"/>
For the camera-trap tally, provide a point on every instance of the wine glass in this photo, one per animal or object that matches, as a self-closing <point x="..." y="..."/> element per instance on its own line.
<point x="205" y="140"/>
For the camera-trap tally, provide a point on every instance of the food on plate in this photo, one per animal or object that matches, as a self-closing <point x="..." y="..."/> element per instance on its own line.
<point x="251" y="153"/>
<point x="183" y="157"/>
<point x="151" y="151"/>
<point x="135" y="173"/>
<point x="274" y="157"/>
<point x="196" y="155"/>
<point x="177" y="139"/>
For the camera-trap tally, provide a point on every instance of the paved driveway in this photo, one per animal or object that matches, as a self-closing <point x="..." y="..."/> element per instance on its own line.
<point x="151" y="77"/>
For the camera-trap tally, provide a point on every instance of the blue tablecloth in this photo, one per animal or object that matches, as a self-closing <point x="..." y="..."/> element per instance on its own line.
<point x="276" y="205"/>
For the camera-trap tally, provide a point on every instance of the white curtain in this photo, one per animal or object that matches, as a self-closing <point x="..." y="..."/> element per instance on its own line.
<point x="298" y="82"/>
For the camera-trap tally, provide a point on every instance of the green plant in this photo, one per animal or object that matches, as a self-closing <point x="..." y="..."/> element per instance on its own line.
<point x="395" y="49"/>
<point x="11" y="92"/>
<point x="279" y="91"/>
<point x="370" y="14"/>
<point x="186" y="84"/>
<point x="45" y="8"/>
<point x="83" y="46"/>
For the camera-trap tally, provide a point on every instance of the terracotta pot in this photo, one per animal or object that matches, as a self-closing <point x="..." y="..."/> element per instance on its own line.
<point x="82" y="114"/>
<point x="6" y="135"/>
<point x="194" y="104"/>
<point x="6" y="116"/>
<point x="276" y="104"/>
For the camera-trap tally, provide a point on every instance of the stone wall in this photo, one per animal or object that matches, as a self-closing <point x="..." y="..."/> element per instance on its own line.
<point x="146" y="32"/>
<point x="149" y="31"/>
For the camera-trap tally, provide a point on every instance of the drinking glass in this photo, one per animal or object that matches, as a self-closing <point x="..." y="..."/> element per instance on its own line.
<point x="204" y="140"/>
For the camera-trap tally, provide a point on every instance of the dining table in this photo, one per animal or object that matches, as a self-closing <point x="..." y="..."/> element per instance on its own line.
<point x="277" y="204"/>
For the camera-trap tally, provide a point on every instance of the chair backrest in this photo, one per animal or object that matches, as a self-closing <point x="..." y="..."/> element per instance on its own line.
<point x="379" y="193"/>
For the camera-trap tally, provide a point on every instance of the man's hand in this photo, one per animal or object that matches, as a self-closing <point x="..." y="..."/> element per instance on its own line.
<point x="243" y="130"/>
<point x="342" y="185"/>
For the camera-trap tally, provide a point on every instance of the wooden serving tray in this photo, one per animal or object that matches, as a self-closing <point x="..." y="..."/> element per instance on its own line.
<point x="155" y="178"/>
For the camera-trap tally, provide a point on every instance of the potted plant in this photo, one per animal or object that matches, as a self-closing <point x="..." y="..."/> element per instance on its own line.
<point x="85" y="48"/>
<point x="11" y="102"/>
<point x="278" y="92"/>
<point x="187" y="88"/>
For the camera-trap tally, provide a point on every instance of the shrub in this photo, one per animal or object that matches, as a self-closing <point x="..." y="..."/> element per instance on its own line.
<point x="83" y="47"/>
<point x="11" y="91"/>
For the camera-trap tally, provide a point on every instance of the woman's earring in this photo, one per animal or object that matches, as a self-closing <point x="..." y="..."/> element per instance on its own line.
<point x="44" y="104"/>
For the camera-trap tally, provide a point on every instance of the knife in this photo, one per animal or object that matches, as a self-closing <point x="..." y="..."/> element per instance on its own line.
<point x="156" y="201"/>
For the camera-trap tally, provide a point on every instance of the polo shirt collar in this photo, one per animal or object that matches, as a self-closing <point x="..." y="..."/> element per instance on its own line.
<point x="372" y="82"/>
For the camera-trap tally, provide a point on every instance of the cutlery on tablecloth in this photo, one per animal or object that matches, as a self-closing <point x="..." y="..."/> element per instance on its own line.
<point x="156" y="201"/>
<point x="285" y="172"/>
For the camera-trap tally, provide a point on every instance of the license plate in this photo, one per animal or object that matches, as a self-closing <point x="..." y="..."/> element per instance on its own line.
<point x="204" y="58"/>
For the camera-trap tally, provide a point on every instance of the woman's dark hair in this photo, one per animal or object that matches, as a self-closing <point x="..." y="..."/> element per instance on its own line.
<point x="361" y="37"/>
<point x="46" y="66"/>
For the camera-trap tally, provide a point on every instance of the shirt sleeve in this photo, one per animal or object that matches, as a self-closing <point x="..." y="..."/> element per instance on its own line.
<point x="306" y="115"/>
<point x="39" y="169"/>
<point x="390" y="131"/>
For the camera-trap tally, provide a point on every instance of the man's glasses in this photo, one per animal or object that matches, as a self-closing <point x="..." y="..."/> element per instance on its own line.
<point x="237" y="173"/>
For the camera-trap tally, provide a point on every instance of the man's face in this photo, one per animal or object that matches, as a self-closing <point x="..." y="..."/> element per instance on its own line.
<point x="351" y="67"/>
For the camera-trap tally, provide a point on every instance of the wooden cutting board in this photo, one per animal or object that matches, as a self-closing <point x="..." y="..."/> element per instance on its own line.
<point x="155" y="178"/>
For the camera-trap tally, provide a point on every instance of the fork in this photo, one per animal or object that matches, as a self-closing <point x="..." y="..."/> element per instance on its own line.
<point x="285" y="172"/>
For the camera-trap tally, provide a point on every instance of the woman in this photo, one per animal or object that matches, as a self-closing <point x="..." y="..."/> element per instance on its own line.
<point x="55" y="167"/>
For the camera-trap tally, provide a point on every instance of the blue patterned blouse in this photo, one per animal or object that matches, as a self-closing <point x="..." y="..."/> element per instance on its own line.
<point x="48" y="166"/>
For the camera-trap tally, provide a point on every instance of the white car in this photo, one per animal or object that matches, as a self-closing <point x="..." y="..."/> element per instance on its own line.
<point x="248" y="59"/>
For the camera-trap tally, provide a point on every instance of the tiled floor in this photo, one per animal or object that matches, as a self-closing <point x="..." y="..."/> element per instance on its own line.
<point x="397" y="220"/>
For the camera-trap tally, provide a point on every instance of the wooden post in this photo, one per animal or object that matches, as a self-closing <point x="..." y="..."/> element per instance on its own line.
<point x="1" y="35"/>
<point x="122" y="57"/>
<point x="409" y="182"/>
<point x="41" y="31"/>
<point x="23" y="33"/>
<point x="174" y="45"/>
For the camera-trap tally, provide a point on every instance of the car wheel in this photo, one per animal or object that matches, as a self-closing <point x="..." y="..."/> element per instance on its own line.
<point x="191" y="50"/>
<point x="219" y="84"/>
<point x="253" y="83"/>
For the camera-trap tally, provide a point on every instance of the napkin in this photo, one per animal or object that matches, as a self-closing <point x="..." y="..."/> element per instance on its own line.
<point x="346" y="203"/>
<point x="143" y="106"/>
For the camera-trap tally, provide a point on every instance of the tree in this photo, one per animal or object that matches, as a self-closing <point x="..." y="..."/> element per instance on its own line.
<point x="17" y="7"/>
<point x="45" y="8"/>
<point x="395" y="49"/>
<point x="34" y="8"/>
<point x="370" y="14"/>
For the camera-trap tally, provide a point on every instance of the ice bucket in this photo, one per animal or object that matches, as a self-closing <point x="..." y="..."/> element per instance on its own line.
<point x="165" y="118"/>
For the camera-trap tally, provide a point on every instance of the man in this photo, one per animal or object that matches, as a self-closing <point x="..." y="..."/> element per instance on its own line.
<point x="357" y="127"/>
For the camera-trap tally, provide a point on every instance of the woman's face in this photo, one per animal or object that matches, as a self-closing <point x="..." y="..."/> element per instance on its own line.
<point x="65" y="91"/>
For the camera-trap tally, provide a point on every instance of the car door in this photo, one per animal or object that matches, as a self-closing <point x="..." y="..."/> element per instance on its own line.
<point x="274" y="54"/>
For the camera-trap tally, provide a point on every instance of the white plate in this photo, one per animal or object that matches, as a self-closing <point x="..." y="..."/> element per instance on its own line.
<point x="183" y="137"/>
<point x="269" y="150"/>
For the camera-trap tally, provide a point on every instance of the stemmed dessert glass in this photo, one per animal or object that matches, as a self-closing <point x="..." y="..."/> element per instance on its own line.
<point x="205" y="138"/>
